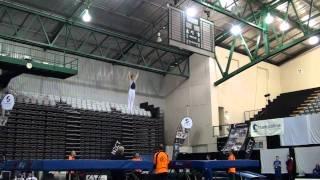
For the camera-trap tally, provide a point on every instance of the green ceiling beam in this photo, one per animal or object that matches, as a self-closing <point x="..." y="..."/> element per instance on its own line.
<point x="304" y="29"/>
<point x="84" y="26"/>
<point x="267" y="56"/>
<point x="223" y="36"/>
<point x="228" y="13"/>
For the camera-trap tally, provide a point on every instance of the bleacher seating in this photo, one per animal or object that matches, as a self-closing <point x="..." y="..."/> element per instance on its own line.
<point x="311" y="105"/>
<point x="49" y="127"/>
<point x="77" y="103"/>
<point x="291" y="104"/>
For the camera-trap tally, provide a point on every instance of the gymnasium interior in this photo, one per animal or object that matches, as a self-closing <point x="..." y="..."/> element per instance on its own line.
<point x="200" y="80"/>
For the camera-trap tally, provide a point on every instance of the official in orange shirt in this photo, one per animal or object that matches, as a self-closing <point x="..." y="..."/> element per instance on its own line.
<point x="232" y="171"/>
<point x="161" y="163"/>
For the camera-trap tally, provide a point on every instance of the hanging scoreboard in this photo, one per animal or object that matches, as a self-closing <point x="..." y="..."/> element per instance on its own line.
<point x="190" y="33"/>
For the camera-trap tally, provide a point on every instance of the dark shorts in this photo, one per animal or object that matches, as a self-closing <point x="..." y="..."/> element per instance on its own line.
<point x="162" y="176"/>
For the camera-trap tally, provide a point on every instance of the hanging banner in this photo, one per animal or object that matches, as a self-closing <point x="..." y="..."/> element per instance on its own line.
<point x="186" y="123"/>
<point x="114" y="150"/>
<point x="267" y="127"/>
<point x="249" y="147"/>
<point x="181" y="135"/>
<point x="301" y="130"/>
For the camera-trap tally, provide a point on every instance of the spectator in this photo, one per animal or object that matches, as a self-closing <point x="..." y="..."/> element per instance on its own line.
<point x="161" y="163"/>
<point x="137" y="157"/>
<point x="316" y="171"/>
<point x="208" y="157"/>
<point x="290" y="169"/>
<point x="71" y="174"/>
<point x="31" y="177"/>
<point x="72" y="155"/>
<point x="118" y="174"/>
<point x="232" y="171"/>
<point x="277" y="168"/>
<point x="137" y="172"/>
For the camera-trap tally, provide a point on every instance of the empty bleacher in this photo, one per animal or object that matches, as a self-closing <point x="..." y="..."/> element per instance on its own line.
<point x="291" y="104"/>
<point x="49" y="127"/>
<point x="310" y="105"/>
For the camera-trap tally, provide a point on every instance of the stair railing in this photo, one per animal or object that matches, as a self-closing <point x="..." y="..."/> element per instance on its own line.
<point x="250" y="114"/>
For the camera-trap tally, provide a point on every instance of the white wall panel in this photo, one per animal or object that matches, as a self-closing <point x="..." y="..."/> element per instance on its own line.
<point x="307" y="158"/>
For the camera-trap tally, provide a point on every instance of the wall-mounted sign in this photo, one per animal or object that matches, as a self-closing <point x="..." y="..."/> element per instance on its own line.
<point x="7" y="102"/>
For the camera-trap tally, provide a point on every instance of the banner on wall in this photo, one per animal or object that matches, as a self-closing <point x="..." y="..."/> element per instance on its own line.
<point x="301" y="130"/>
<point x="237" y="137"/>
<point x="266" y="127"/>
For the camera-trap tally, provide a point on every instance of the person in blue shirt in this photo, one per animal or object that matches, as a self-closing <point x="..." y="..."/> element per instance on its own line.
<point x="277" y="168"/>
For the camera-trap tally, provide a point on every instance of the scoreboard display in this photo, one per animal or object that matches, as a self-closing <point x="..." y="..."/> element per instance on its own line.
<point x="193" y="35"/>
<point x="190" y="33"/>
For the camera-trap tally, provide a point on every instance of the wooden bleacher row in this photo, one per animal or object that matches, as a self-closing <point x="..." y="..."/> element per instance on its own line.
<point x="38" y="131"/>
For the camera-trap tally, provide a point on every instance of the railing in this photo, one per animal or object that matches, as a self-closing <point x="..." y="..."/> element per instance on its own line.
<point x="39" y="56"/>
<point x="250" y="114"/>
<point x="221" y="131"/>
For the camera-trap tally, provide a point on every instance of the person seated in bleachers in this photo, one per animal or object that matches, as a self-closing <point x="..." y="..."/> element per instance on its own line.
<point x="316" y="171"/>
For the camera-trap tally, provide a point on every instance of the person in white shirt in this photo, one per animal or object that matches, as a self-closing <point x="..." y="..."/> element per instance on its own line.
<point x="132" y="90"/>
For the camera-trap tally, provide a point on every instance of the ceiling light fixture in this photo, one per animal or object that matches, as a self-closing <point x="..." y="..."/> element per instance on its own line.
<point x="313" y="40"/>
<point x="284" y="26"/>
<point x="29" y="65"/>
<point x="235" y="30"/>
<point x="269" y="19"/>
<point x="159" y="39"/>
<point x="191" y="12"/>
<point x="174" y="64"/>
<point x="86" y="17"/>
